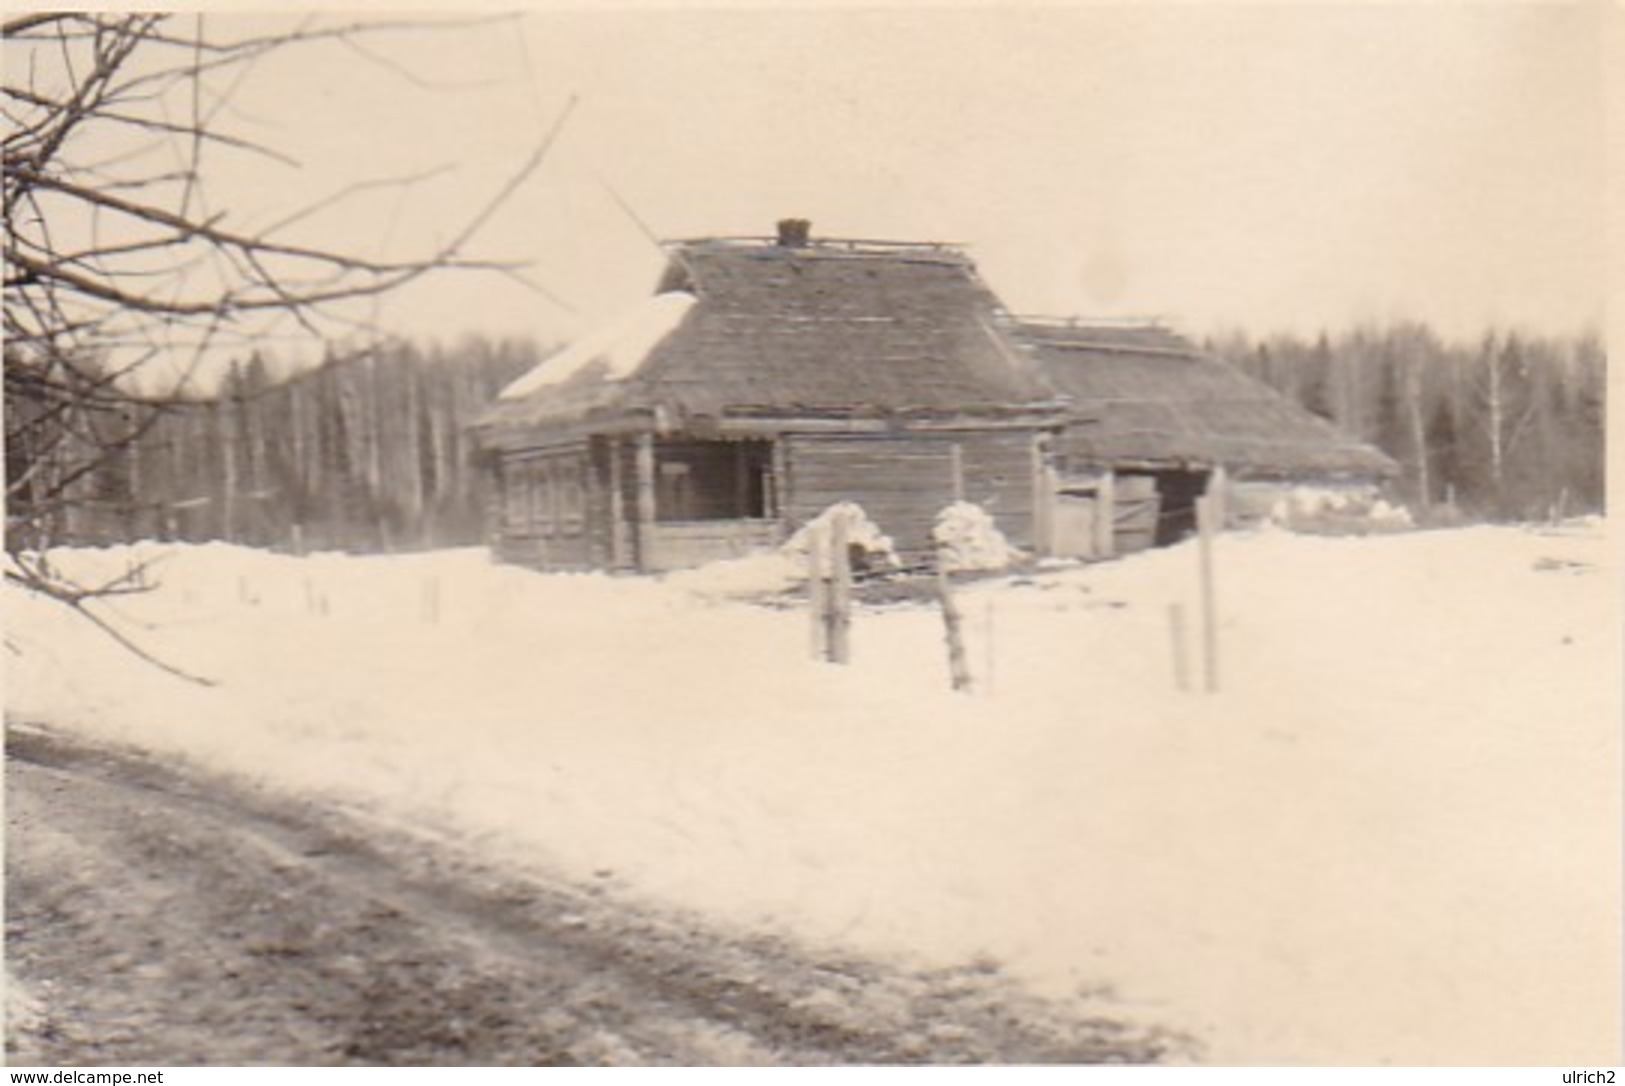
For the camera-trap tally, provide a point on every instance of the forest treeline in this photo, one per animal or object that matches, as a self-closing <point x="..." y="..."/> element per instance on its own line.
<point x="364" y="452"/>
<point x="372" y="452"/>
<point x="1508" y="426"/>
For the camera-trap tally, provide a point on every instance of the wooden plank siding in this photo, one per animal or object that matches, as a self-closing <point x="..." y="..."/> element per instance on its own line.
<point x="903" y="480"/>
<point x="606" y="504"/>
<point x="550" y="509"/>
<point x="684" y="544"/>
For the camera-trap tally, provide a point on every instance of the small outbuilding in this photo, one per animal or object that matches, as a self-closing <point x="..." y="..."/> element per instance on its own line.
<point x="1152" y="418"/>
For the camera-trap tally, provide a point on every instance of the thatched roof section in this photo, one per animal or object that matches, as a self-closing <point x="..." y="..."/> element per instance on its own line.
<point x="755" y="329"/>
<point x="1154" y="399"/>
<point x="829" y="329"/>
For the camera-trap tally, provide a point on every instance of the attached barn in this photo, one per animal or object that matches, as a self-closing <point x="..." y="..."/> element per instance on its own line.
<point x="1152" y="418"/>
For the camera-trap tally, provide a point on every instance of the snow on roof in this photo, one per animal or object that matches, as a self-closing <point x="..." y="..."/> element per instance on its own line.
<point x="619" y="347"/>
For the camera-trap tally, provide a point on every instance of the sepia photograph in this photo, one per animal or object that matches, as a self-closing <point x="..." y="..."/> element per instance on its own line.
<point x="817" y="536"/>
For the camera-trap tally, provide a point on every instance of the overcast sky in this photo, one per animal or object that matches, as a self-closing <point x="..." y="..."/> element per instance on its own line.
<point x="1257" y="167"/>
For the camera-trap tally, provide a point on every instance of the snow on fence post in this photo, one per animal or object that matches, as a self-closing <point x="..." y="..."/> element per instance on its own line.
<point x="840" y="595"/>
<point x="1210" y="632"/>
<point x="958" y="671"/>
<point x="1176" y="640"/>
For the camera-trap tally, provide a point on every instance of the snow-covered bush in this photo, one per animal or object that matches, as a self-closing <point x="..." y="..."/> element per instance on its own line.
<point x="1391" y="516"/>
<point x="967" y="538"/>
<point x="869" y="546"/>
<point x="1339" y="511"/>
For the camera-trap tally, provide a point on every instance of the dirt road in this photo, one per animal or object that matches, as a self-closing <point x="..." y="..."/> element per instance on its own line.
<point x="156" y="917"/>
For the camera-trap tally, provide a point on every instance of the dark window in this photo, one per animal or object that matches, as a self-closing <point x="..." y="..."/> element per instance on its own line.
<point x="714" y="480"/>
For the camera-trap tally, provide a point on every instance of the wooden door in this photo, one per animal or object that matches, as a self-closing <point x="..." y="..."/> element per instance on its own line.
<point x="1075" y="512"/>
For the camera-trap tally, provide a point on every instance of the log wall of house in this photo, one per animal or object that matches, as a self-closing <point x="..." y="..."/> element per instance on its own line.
<point x="550" y="509"/>
<point x="903" y="480"/>
<point x="684" y="544"/>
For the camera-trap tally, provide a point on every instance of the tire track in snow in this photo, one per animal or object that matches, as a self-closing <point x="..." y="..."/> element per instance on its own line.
<point x="164" y="916"/>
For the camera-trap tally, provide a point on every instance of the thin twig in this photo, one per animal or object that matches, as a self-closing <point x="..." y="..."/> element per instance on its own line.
<point x="76" y="603"/>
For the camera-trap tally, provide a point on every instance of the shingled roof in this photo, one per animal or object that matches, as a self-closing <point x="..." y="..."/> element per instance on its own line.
<point x="825" y="328"/>
<point x="1154" y="399"/>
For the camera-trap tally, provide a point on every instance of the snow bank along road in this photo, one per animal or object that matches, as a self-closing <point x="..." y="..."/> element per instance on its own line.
<point x="160" y="916"/>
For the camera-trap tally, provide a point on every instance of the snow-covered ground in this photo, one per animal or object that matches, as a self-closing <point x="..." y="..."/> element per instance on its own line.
<point x="1392" y="836"/>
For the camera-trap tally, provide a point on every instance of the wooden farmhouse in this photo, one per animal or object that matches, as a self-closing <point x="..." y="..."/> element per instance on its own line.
<point x="769" y="378"/>
<point x="766" y="380"/>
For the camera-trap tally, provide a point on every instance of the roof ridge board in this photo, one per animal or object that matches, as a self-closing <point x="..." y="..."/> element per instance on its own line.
<point x="1188" y="353"/>
<point x="857" y="247"/>
<point x="1204" y="400"/>
<point x="1083" y="324"/>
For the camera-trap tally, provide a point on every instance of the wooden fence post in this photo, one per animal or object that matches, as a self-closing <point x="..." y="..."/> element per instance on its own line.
<point x="840" y="595"/>
<point x="431" y="600"/>
<point x="1179" y="647"/>
<point x="958" y="670"/>
<point x="1210" y="624"/>
<point x="990" y="668"/>
<point x="817" y="594"/>
<point x="1218" y="489"/>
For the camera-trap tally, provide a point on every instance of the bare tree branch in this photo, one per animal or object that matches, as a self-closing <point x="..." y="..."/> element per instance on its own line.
<point x="114" y="258"/>
<point x="76" y="600"/>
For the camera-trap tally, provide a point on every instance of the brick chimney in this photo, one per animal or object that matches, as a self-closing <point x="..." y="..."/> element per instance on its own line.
<point x="794" y="233"/>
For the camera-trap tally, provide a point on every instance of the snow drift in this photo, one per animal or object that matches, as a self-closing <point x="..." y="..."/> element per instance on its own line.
<point x="1393" y="836"/>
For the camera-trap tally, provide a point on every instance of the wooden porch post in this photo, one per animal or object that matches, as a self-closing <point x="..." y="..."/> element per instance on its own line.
<point x="619" y="558"/>
<point x="646" y="498"/>
<point x="779" y="508"/>
<point x="741" y="495"/>
<point x="1106" y="515"/>
<point x="1043" y="498"/>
